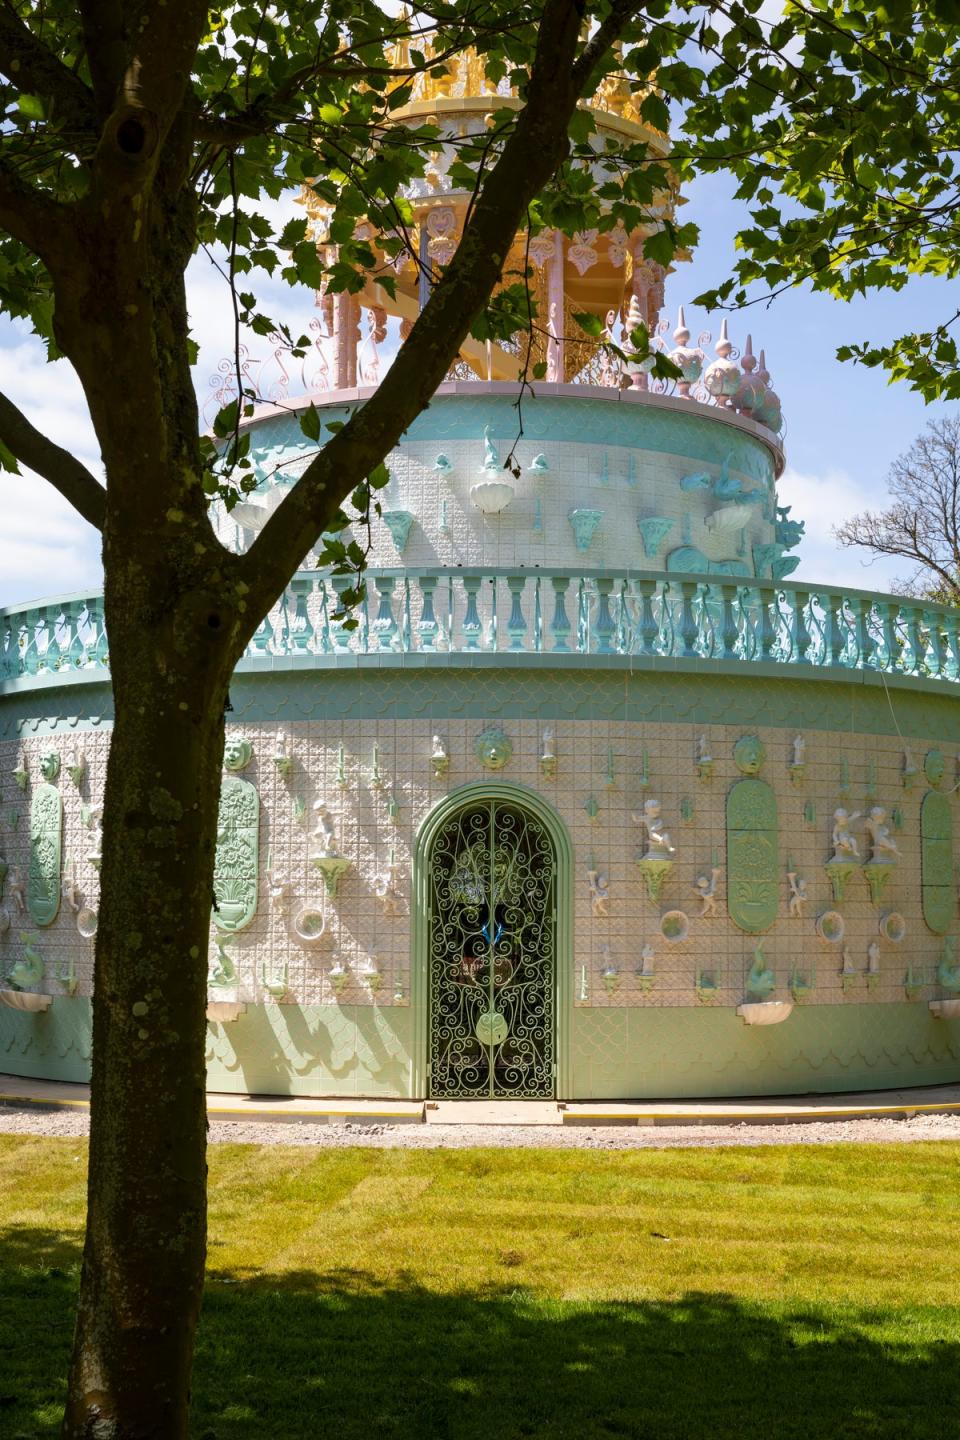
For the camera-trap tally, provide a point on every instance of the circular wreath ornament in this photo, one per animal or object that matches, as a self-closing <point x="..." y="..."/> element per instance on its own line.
<point x="674" y="926"/>
<point x="893" y="927"/>
<point x="493" y="748"/>
<point x="934" y="766"/>
<point x="491" y="1028"/>
<point x="237" y="754"/>
<point x="749" y="754"/>
<point x="831" y="927"/>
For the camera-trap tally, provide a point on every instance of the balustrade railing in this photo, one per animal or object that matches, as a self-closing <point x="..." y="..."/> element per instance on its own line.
<point x="545" y="612"/>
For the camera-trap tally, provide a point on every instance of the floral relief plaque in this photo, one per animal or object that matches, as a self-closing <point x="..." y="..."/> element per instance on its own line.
<point x="237" y="858"/>
<point x="753" y="892"/>
<point x="46" y="830"/>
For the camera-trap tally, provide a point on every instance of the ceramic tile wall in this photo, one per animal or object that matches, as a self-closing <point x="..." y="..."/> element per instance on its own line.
<point x="600" y="762"/>
<point x="599" y="472"/>
<point x="448" y="529"/>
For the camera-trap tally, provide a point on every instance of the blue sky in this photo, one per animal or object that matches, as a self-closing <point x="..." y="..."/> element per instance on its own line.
<point x="844" y="424"/>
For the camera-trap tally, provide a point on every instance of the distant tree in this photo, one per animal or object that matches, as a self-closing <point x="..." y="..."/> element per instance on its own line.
<point x="922" y="524"/>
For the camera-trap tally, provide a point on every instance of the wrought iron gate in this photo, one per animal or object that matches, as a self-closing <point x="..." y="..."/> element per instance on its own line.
<point x="492" y="965"/>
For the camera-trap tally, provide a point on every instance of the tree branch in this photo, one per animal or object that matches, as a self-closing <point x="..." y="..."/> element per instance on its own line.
<point x="537" y="146"/>
<point x="63" y="470"/>
<point x="33" y="68"/>
<point x="105" y="40"/>
<point x="600" y="42"/>
<point x="28" y="215"/>
<point x="153" y="90"/>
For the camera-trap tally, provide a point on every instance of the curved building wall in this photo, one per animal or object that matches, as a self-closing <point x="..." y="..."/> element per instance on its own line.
<point x="617" y="455"/>
<point x="353" y="1018"/>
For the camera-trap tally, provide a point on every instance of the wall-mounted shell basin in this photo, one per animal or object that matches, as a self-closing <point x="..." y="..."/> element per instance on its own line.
<point x="225" y="1011"/>
<point x="765" y="1012"/>
<point x="728" y="517"/>
<point x="945" y="1009"/>
<point x="25" y="1000"/>
<point x="491" y="496"/>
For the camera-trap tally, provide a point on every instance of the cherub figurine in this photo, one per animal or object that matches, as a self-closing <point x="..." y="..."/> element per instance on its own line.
<point x="599" y="894"/>
<point x="873" y="958"/>
<point x="69" y="891"/>
<point x="880" y="839"/>
<point x="659" y="840"/>
<point x="799" y="750"/>
<point x="95" y="856"/>
<point x="706" y="888"/>
<point x="15" y="882"/>
<point x="845" y="845"/>
<point x="798" y="894"/>
<point x="277" y="886"/>
<point x="323" y="831"/>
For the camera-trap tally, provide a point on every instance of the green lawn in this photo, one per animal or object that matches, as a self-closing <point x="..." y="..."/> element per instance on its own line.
<point x="797" y="1292"/>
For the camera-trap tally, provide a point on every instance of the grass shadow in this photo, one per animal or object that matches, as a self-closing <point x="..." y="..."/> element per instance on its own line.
<point x="305" y="1354"/>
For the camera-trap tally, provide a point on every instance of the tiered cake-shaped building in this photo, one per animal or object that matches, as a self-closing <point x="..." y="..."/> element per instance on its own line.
<point x="597" y="801"/>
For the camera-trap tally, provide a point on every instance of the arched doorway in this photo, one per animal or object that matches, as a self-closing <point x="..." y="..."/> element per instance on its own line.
<point x="493" y="897"/>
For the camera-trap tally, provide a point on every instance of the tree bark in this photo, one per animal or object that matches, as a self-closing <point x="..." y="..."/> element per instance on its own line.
<point x="146" y="1230"/>
<point x="179" y="610"/>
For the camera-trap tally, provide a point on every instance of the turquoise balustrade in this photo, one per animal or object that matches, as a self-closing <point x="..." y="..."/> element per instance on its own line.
<point x="554" y="612"/>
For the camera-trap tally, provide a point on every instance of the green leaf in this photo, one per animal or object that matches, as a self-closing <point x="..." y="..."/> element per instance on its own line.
<point x="660" y="246"/>
<point x="8" y="461"/>
<point x="590" y="324"/>
<point x="310" y="422"/>
<point x="225" y="422"/>
<point x="292" y="234"/>
<point x="655" y="112"/>
<point x="31" y="107"/>
<point x="640" y="339"/>
<point x="379" y="476"/>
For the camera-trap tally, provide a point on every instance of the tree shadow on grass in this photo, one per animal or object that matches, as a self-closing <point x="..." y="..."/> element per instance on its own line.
<point x="305" y="1355"/>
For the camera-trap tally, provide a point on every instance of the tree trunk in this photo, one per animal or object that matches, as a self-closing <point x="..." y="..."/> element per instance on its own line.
<point x="145" y="1244"/>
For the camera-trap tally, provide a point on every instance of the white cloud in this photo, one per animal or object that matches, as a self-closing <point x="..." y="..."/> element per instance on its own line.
<point x="823" y="501"/>
<point x="45" y="547"/>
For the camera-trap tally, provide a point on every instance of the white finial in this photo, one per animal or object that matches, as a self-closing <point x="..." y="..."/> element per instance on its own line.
<point x="749" y="360"/>
<point x="682" y="333"/>
<point x="723" y="345"/>
<point x="763" y="373"/>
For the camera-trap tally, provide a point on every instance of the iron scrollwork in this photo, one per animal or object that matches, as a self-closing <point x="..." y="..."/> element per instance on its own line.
<point x="492" y="955"/>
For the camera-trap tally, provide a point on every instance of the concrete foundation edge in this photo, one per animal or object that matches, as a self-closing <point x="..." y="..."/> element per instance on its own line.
<point x="616" y="1053"/>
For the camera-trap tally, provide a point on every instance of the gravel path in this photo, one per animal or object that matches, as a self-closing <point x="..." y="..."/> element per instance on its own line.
<point x="545" y="1137"/>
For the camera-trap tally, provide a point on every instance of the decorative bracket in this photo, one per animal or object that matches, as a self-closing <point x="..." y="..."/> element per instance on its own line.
<point x="398" y="522"/>
<point x="584" y="525"/>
